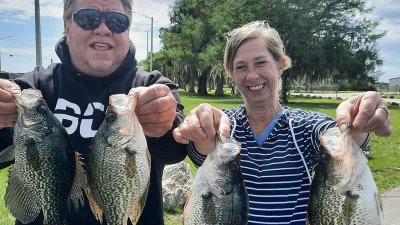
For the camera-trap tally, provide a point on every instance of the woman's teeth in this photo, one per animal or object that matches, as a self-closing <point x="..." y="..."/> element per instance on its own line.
<point x="258" y="87"/>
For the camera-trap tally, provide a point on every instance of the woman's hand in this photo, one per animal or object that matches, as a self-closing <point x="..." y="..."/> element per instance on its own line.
<point x="200" y="127"/>
<point x="367" y="112"/>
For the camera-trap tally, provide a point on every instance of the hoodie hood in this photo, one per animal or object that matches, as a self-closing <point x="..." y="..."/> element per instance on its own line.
<point x="63" y="53"/>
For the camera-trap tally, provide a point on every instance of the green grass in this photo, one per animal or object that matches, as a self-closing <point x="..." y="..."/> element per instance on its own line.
<point x="385" y="161"/>
<point x="5" y="217"/>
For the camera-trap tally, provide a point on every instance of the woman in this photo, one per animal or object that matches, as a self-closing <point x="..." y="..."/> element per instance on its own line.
<point x="279" y="144"/>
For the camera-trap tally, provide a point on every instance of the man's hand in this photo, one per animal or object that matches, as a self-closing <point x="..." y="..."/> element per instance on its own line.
<point x="8" y="108"/>
<point x="155" y="109"/>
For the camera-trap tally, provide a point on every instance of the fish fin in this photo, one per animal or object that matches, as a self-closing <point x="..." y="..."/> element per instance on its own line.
<point x="148" y="157"/>
<point x="380" y="205"/>
<point x="96" y="209"/>
<point x="206" y="195"/>
<point x="130" y="164"/>
<point x="19" y="199"/>
<point x="349" y="206"/>
<point x="32" y="154"/>
<point x="130" y="150"/>
<point x="80" y="182"/>
<point x="7" y="154"/>
<point x="186" y="209"/>
<point x="137" y="209"/>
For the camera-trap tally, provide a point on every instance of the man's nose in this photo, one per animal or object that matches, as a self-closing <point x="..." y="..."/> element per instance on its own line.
<point x="102" y="29"/>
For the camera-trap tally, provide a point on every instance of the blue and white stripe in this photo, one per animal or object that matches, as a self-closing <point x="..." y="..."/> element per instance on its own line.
<point x="274" y="173"/>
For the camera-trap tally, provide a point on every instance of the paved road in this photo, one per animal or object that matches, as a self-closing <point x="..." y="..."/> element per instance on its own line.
<point x="391" y="207"/>
<point x="342" y="95"/>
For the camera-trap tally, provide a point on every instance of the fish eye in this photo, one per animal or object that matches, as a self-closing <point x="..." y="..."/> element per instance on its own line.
<point x="325" y="158"/>
<point x="111" y="118"/>
<point x="41" y="109"/>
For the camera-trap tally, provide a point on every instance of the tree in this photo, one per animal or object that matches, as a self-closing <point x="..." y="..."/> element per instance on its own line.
<point x="328" y="40"/>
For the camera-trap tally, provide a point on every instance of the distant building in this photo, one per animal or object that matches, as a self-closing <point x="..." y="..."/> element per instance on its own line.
<point x="394" y="84"/>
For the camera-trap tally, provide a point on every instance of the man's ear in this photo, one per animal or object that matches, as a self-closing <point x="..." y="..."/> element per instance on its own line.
<point x="67" y="25"/>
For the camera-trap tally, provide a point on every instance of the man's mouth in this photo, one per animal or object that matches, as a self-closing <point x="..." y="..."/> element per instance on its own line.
<point x="255" y="88"/>
<point x="101" y="46"/>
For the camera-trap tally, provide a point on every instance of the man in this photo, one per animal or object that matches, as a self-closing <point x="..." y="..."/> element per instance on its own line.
<point x="98" y="60"/>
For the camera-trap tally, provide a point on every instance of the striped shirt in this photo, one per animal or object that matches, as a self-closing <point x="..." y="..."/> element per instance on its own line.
<point x="274" y="173"/>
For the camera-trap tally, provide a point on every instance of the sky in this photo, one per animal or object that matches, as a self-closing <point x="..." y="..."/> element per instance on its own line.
<point x="17" y="32"/>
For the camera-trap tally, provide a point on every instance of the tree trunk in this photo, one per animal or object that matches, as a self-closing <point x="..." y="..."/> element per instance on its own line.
<point x="202" y="89"/>
<point x="220" y="86"/>
<point x="191" y="86"/>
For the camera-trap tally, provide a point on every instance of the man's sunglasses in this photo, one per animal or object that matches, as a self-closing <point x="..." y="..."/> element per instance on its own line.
<point x="90" y="19"/>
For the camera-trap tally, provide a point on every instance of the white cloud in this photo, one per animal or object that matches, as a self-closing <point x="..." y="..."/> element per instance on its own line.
<point x="22" y="12"/>
<point x="388" y="13"/>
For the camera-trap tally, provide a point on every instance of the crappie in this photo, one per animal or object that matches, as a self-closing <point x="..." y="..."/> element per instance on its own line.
<point x="46" y="172"/>
<point x="343" y="190"/>
<point x="119" y="164"/>
<point x="217" y="194"/>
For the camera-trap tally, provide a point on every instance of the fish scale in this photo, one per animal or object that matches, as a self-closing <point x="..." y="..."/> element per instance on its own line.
<point x="217" y="195"/>
<point x="47" y="173"/>
<point x="343" y="190"/>
<point x="119" y="164"/>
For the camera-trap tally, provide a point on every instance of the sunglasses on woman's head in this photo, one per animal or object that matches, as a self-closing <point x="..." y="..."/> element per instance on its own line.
<point x="90" y="19"/>
<point x="258" y="23"/>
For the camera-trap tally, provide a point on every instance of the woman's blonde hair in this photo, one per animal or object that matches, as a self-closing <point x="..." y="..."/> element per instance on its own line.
<point x="256" y="29"/>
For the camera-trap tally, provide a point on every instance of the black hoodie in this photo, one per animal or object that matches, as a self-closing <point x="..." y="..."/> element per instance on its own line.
<point x="72" y="95"/>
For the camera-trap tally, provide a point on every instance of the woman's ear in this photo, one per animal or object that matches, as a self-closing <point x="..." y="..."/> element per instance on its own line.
<point x="282" y="63"/>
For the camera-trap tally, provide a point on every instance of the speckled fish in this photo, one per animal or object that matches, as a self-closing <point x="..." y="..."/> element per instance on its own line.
<point x="119" y="164"/>
<point x="343" y="190"/>
<point x="47" y="172"/>
<point x="217" y="194"/>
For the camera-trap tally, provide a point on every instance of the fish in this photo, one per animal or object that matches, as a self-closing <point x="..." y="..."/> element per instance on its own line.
<point x="343" y="190"/>
<point x="47" y="175"/>
<point x="217" y="195"/>
<point x="119" y="164"/>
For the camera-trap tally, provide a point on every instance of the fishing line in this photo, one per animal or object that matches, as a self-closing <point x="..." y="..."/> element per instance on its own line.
<point x="234" y="125"/>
